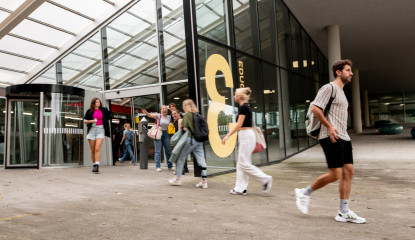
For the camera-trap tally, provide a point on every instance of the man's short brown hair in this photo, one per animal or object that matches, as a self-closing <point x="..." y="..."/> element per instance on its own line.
<point x="339" y="65"/>
<point x="172" y="104"/>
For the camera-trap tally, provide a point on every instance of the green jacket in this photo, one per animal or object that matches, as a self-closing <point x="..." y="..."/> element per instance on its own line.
<point x="179" y="146"/>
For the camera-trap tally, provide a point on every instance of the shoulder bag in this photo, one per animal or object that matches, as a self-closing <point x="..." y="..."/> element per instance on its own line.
<point x="155" y="132"/>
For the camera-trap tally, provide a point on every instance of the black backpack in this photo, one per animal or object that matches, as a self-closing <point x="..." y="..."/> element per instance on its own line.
<point x="201" y="133"/>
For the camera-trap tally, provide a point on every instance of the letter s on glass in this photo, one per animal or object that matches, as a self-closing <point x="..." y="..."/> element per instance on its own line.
<point x="214" y="64"/>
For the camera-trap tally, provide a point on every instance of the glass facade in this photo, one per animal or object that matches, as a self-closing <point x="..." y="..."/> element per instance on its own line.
<point x="261" y="43"/>
<point x="284" y="73"/>
<point x="398" y="107"/>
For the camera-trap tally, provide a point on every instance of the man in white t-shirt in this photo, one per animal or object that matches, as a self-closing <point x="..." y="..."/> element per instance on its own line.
<point x="335" y="142"/>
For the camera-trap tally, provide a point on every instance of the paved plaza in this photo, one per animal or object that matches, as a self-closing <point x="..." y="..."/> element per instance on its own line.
<point x="124" y="202"/>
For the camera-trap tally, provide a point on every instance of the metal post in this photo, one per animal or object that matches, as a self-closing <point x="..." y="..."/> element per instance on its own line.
<point x="143" y="139"/>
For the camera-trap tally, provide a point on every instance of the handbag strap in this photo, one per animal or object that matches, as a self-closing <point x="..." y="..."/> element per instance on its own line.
<point x="158" y="124"/>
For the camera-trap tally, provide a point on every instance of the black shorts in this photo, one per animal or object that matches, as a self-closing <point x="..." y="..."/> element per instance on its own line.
<point x="338" y="153"/>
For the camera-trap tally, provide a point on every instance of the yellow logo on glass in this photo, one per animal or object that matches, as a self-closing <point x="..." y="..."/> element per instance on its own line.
<point x="214" y="64"/>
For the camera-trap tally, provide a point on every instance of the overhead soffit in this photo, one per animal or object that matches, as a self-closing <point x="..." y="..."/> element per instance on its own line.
<point x="377" y="35"/>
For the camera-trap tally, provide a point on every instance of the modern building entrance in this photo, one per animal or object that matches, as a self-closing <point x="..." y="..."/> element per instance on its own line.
<point x="129" y="110"/>
<point x="44" y="126"/>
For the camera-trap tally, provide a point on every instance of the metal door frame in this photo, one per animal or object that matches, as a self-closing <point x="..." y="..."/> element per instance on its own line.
<point x="8" y="131"/>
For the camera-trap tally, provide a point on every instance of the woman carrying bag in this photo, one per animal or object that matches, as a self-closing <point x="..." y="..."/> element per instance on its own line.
<point x="191" y="145"/>
<point x="247" y="143"/>
<point x="163" y="120"/>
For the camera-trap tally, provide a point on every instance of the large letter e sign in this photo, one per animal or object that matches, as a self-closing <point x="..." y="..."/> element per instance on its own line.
<point x="214" y="64"/>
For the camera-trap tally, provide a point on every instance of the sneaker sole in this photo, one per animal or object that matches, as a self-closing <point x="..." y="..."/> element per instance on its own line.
<point x="339" y="219"/>
<point x="297" y="200"/>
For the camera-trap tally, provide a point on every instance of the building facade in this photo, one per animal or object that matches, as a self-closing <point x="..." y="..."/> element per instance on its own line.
<point x="158" y="52"/>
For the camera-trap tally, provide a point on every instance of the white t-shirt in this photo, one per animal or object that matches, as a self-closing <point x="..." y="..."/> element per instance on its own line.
<point x="164" y="122"/>
<point x="337" y="115"/>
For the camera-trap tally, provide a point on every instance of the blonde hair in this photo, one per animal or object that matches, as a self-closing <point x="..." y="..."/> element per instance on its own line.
<point x="244" y="93"/>
<point x="127" y="125"/>
<point x="189" y="106"/>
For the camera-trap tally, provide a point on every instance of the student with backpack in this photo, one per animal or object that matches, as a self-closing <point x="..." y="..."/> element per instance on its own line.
<point x="246" y="146"/>
<point x="128" y="142"/>
<point x="336" y="143"/>
<point x="194" y="144"/>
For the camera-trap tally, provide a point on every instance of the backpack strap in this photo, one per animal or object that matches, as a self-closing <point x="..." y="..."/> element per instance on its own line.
<point x="333" y="96"/>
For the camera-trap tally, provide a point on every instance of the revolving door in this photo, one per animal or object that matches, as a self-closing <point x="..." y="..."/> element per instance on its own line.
<point x="44" y="126"/>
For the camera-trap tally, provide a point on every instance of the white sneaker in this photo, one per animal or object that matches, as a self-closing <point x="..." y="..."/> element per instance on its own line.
<point x="175" y="182"/>
<point x="350" y="216"/>
<point x="202" y="185"/>
<point x="302" y="200"/>
<point x="268" y="185"/>
<point x="158" y="169"/>
<point x="233" y="192"/>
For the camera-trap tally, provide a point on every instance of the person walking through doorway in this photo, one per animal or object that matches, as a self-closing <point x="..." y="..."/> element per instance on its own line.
<point x="97" y="119"/>
<point x="336" y="144"/>
<point x="127" y="139"/>
<point x="246" y="145"/>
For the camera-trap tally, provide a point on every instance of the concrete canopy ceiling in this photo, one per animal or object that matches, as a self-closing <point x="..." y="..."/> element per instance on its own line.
<point x="377" y="35"/>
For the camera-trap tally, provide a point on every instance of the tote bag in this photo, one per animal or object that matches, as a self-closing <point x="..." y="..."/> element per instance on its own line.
<point x="155" y="132"/>
<point x="260" y="144"/>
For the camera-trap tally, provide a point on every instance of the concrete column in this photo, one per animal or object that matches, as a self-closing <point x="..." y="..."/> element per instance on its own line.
<point x="334" y="52"/>
<point x="357" y="113"/>
<point x="366" y="108"/>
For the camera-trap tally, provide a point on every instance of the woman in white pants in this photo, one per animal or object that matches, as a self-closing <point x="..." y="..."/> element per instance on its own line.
<point x="246" y="141"/>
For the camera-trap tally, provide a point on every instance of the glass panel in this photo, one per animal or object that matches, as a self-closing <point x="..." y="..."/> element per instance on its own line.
<point x="11" y="5"/>
<point x="121" y="114"/>
<point x="244" y="37"/>
<point x="301" y="107"/>
<point x="210" y="18"/>
<point x="63" y="130"/>
<point x="248" y="69"/>
<point x="2" y="128"/>
<point x="24" y="146"/>
<point x="410" y="107"/>
<point x="41" y="33"/>
<point x="314" y="62"/>
<point x="26" y="48"/>
<point x="267" y="24"/>
<point x="62" y="18"/>
<point x="132" y="47"/>
<point x="217" y="164"/>
<point x="289" y="95"/>
<point x="176" y="93"/>
<point x="392" y="107"/>
<point x="284" y="42"/>
<point x="48" y="77"/>
<point x="307" y="64"/>
<point x="82" y="67"/>
<point x="6" y="75"/>
<point x="374" y="111"/>
<point x="91" y="8"/>
<point x="297" y="51"/>
<point x="16" y="63"/>
<point x="274" y="130"/>
<point x="174" y="40"/>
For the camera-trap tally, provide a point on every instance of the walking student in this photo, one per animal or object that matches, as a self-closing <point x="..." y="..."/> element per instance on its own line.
<point x="165" y="141"/>
<point x="246" y="145"/>
<point x="127" y="139"/>
<point x="336" y="144"/>
<point x="177" y="122"/>
<point x="191" y="145"/>
<point x="97" y="119"/>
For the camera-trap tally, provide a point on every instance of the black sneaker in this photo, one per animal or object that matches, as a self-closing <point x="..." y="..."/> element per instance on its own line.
<point x="95" y="169"/>
<point x="233" y="192"/>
